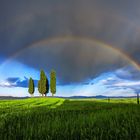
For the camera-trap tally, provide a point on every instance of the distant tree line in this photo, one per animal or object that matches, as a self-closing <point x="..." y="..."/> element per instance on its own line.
<point x="43" y="84"/>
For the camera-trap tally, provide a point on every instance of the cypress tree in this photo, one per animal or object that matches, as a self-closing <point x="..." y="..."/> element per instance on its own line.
<point x="31" y="86"/>
<point x="43" y="83"/>
<point x="39" y="87"/>
<point x="53" y="82"/>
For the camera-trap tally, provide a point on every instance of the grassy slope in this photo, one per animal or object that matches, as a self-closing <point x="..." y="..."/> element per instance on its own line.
<point x="82" y="119"/>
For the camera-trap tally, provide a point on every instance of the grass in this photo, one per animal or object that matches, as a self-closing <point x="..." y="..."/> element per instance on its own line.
<point x="59" y="119"/>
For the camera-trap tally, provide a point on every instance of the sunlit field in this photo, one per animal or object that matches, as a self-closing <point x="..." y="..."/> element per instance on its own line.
<point x="61" y="119"/>
<point x="110" y="100"/>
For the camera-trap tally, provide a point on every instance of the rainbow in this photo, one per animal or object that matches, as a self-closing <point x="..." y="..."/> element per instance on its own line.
<point x="72" y="38"/>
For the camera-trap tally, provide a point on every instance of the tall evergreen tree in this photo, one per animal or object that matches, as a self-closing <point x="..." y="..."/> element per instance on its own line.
<point x="39" y="87"/>
<point x="43" y="83"/>
<point x="31" y="87"/>
<point x="53" y="82"/>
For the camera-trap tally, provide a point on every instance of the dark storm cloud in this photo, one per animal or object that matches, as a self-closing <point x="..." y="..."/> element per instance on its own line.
<point x="113" y="22"/>
<point x="25" y="22"/>
<point x="73" y="61"/>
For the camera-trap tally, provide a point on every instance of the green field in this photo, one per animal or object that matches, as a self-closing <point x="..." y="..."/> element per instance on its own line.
<point x="59" y="119"/>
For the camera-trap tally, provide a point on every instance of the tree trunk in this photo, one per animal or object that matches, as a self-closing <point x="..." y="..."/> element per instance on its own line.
<point x="137" y="98"/>
<point x="108" y="99"/>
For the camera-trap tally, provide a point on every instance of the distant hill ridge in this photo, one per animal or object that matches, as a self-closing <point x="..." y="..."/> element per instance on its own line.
<point x="100" y="97"/>
<point x="71" y="97"/>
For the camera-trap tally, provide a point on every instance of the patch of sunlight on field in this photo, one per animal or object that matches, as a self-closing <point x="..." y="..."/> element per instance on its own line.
<point x="31" y="103"/>
<point x="112" y="100"/>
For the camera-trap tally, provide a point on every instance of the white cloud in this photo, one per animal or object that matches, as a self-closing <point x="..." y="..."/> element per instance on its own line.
<point x="6" y="84"/>
<point x="128" y="83"/>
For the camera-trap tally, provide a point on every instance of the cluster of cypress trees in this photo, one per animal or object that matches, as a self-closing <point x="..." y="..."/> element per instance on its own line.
<point x="43" y="84"/>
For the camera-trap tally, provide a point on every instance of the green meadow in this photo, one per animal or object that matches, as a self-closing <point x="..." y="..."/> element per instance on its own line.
<point x="69" y="119"/>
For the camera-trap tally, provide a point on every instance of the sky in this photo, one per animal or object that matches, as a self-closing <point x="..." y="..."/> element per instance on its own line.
<point x="93" y="45"/>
